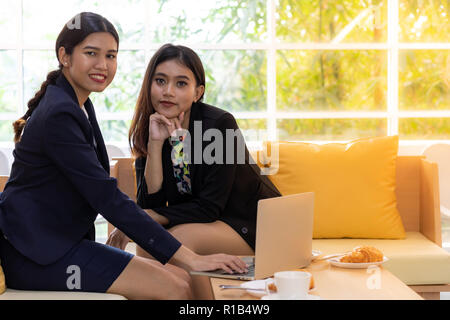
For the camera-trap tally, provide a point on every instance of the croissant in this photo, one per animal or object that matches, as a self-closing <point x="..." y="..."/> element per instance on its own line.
<point x="363" y="254"/>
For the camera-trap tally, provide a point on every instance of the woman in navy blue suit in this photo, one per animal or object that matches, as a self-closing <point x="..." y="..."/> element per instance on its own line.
<point x="60" y="182"/>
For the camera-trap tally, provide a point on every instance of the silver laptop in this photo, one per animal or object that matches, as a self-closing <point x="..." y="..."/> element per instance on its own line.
<point x="284" y="228"/>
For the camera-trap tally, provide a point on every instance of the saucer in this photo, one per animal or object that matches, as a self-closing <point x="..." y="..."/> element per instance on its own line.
<point x="275" y="296"/>
<point x="254" y="287"/>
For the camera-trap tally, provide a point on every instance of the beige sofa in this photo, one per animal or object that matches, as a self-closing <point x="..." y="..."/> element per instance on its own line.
<point x="419" y="260"/>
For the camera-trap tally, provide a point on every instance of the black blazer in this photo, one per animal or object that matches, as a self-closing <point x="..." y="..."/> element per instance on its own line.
<point x="60" y="181"/>
<point x="226" y="192"/>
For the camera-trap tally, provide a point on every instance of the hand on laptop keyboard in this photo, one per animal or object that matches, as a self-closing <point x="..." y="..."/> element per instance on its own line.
<point x="250" y="270"/>
<point x="228" y="263"/>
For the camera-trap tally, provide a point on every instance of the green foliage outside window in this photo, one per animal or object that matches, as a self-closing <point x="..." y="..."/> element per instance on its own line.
<point x="306" y="80"/>
<point x="330" y="129"/>
<point x="347" y="80"/>
<point x="328" y="20"/>
<point x="235" y="80"/>
<point x="8" y="81"/>
<point x="424" y="20"/>
<point x="422" y="77"/>
<point x="425" y="128"/>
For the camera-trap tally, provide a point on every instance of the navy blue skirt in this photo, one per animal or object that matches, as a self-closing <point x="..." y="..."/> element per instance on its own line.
<point x="89" y="266"/>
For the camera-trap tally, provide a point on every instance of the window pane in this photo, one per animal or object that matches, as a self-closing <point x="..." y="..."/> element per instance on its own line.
<point x="426" y="21"/>
<point x="235" y="80"/>
<point x="127" y="16"/>
<point x="330" y="129"/>
<point x="426" y="128"/>
<point x="332" y="21"/>
<point x="101" y="230"/>
<point x="253" y="129"/>
<point x="208" y="21"/>
<point x="36" y="65"/>
<point x="115" y="130"/>
<point x="8" y="81"/>
<point x="122" y="93"/>
<point x="331" y="80"/>
<point x="6" y="131"/>
<point x="43" y="28"/>
<point x="8" y="21"/>
<point x="424" y="77"/>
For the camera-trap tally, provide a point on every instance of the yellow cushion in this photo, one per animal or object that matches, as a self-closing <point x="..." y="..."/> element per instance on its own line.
<point x="354" y="185"/>
<point x="2" y="281"/>
<point x="415" y="260"/>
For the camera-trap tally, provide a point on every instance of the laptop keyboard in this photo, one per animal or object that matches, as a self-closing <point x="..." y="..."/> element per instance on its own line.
<point x="251" y="270"/>
<point x="250" y="261"/>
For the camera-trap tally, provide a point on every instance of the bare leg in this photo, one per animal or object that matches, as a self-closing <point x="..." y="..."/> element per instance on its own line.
<point x="207" y="238"/>
<point x="210" y="238"/>
<point x="148" y="279"/>
<point x="142" y="253"/>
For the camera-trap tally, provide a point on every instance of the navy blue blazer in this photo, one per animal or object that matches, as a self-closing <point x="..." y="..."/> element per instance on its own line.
<point x="60" y="182"/>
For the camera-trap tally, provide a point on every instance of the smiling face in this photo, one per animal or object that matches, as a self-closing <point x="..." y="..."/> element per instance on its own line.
<point x="174" y="89"/>
<point x="92" y="65"/>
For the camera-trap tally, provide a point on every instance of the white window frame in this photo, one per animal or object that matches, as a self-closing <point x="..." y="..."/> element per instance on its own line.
<point x="270" y="46"/>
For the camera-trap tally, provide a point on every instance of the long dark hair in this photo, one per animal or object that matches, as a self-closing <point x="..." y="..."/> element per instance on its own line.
<point x="73" y="33"/>
<point x="138" y="134"/>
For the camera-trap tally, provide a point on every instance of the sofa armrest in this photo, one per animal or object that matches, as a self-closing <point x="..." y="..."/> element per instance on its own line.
<point x="114" y="168"/>
<point x="122" y="169"/>
<point x="3" y="181"/>
<point x="113" y="172"/>
<point x="430" y="214"/>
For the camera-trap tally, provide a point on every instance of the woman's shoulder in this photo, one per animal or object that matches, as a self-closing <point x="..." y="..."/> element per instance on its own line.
<point x="56" y="100"/>
<point x="215" y="115"/>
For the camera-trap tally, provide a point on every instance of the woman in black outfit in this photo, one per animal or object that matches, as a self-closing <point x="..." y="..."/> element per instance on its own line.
<point x="204" y="191"/>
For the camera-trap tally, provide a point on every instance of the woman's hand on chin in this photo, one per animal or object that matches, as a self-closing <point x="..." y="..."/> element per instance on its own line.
<point x="160" y="127"/>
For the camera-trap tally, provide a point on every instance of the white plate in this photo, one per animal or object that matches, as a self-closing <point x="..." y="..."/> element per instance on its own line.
<point x="259" y="284"/>
<point x="315" y="254"/>
<point x="275" y="296"/>
<point x="335" y="262"/>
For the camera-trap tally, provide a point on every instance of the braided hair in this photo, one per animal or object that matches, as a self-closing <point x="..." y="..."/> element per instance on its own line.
<point x="73" y="33"/>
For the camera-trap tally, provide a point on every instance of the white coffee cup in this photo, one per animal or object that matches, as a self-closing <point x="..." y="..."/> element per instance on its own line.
<point x="292" y="284"/>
